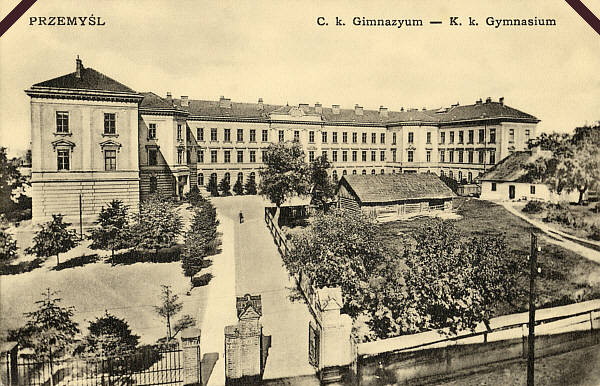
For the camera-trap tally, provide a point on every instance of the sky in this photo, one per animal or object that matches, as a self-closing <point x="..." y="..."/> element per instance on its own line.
<point x="275" y="50"/>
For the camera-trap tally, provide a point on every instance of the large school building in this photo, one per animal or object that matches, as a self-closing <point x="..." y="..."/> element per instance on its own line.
<point x="95" y="139"/>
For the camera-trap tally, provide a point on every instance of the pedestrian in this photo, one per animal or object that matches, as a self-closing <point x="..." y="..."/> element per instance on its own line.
<point x="241" y="217"/>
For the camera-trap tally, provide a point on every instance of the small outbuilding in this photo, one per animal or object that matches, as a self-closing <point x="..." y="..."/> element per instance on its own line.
<point x="387" y="197"/>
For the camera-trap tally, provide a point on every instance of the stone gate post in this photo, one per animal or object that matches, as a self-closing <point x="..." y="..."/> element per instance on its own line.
<point x="192" y="361"/>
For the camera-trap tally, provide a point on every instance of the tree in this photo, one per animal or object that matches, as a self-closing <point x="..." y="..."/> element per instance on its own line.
<point x="238" y="188"/>
<point x="50" y="330"/>
<point x="53" y="238"/>
<point x="110" y="336"/>
<point x="169" y="307"/>
<point x="158" y="225"/>
<point x="212" y="187"/>
<point x="285" y="173"/>
<point x="250" y="186"/>
<point x="195" y="243"/>
<point x="184" y="322"/>
<point x="225" y="186"/>
<point x="194" y="197"/>
<point x="8" y="248"/>
<point x="323" y="189"/>
<point x="112" y="232"/>
<point x="10" y="179"/>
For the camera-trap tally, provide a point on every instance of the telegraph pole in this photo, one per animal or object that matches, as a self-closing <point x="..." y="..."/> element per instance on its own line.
<point x="533" y="270"/>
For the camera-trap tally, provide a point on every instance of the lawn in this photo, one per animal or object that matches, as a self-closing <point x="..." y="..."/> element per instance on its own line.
<point x="565" y="277"/>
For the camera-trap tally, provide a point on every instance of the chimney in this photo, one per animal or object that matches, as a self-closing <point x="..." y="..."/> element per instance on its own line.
<point x="335" y="109"/>
<point x="488" y="100"/>
<point x="318" y="108"/>
<point x="383" y="111"/>
<point x="224" y="103"/>
<point x="260" y="105"/>
<point x="303" y="106"/>
<point x="478" y="101"/>
<point x="78" y="67"/>
<point x="169" y="96"/>
<point x="185" y="102"/>
<point x="401" y="108"/>
<point x="501" y="100"/>
<point x="358" y="110"/>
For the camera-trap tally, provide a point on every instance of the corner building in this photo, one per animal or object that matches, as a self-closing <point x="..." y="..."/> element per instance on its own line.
<point x="95" y="137"/>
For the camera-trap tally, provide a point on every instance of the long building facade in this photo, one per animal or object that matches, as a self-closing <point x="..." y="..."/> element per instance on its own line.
<point x="95" y="139"/>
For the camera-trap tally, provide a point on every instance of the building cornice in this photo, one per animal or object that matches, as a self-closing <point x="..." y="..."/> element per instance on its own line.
<point x="163" y="111"/>
<point x="82" y="94"/>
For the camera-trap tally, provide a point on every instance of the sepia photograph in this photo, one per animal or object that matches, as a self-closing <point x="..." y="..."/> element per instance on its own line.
<point x="299" y="193"/>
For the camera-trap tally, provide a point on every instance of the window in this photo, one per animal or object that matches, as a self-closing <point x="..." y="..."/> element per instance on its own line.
<point x="411" y="137"/>
<point x="180" y="159"/>
<point x="364" y="172"/>
<point x="227" y="135"/>
<point x="442" y="156"/>
<point x="213" y="134"/>
<point x="492" y="157"/>
<point x="324" y="154"/>
<point x="373" y="155"/>
<point x="470" y="177"/>
<point x="382" y="155"/>
<point x="511" y="135"/>
<point x="334" y="176"/>
<point x="429" y="137"/>
<point x="354" y="156"/>
<point x="411" y="156"/>
<point x="493" y="186"/>
<point x="393" y="138"/>
<point x="451" y="137"/>
<point x="153" y="184"/>
<point x="481" y="156"/>
<point x="200" y="133"/>
<point x="110" y="123"/>
<point x="263" y="156"/>
<point x="213" y="178"/>
<point x="252" y="135"/>
<point x="450" y="174"/>
<point x="152" y="131"/>
<point x="382" y="137"/>
<point x="354" y="172"/>
<point x="200" y="179"/>
<point x="492" y="135"/>
<point x="311" y="156"/>
<point x="393" y="155"/>
<point x="460" y="156"/>
<point x="470" y="155"/>
<point x="188" y="156"/>
<point x="252" y="156"/>
<point x="240" y="177"/>
<point x="227" y="156"/>
<point x="443" y="137"/>
<point x="152" y="157"/>
<point x="213" y="156"/>
<point x="471" y="136"/>
<point x="200" y="155"/>
<point x="63" y="159"/>
<point x="62" y="121"/>
<point x="265" y="135"/>
<point x="281" y="136"/>
<point x="532" y="189"/>
<point x="240" y="156"/>
<point x="334" y="157"/>
<point x="461" y="136"/>
<point x="110" y="160"/>
<point x="334" y="137"/>
<point x="373" y="137"/>
<point x="382" y="171"/>
<point x="527" y="135"/>
<point x="240" y="135"/>
<point x="227" y="177"/>
<point x="324" y="137"/>
<point x="364" y="138"/>
<point x="428" y="156"/>
<point x="459" y="176"/>
<point x="345" y="137"/>
<point x="441" y="173"/>
<point x="364" y="156"/>
<point x="354" y="137"/>
<point x="481" y="136"/>
<point x="296" y="136"/>
<point x="252" y="176"/>
<point x="450" y="156"/>
<point x="179" y="132"/>
<point x="344" y="172"/>
<point x="311" y="137"/>
<point x="344" y="155"/>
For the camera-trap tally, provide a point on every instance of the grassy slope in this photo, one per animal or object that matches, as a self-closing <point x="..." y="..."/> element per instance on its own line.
<point x="564" y="273"/>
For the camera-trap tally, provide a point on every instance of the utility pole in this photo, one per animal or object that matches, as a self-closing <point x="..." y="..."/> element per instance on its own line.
<point x="80" y="217"/>
<point x="533" y="271"/>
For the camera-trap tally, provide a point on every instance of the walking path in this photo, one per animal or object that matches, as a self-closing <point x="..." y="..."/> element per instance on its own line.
<point x="556" y="237"/>
<point x="259" y="270"/>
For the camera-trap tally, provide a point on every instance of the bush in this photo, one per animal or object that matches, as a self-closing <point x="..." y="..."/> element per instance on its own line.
<point x="202" y="280"/>
<point x="534" y="206"/>
<point x="596" y="208"/>
<point x="594" y="232"/>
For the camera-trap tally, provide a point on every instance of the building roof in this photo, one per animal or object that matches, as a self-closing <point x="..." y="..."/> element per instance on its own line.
<point x="380" y="188"/>
<point x="510" y="169"/>
<point x="89" y="79"/>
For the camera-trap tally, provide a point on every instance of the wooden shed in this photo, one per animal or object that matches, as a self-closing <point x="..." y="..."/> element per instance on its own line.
<point x="388" y="197"/>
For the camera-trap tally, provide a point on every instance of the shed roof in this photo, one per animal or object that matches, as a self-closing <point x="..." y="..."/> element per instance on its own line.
<point x="376" y="188"/>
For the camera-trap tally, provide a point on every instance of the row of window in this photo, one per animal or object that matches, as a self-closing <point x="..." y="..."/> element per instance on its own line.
<point x="469" y="177"/>
<point x="62" y="123"/>
<point x="63" y="158"/>
<point x="470" y="156"/>
<point x="227" y="135"/>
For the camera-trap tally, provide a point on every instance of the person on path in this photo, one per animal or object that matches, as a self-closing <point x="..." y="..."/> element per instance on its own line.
<point x="241" y="217"/>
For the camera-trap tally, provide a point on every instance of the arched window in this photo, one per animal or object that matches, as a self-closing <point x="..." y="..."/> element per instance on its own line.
<point x="153" y="184"/>
<point x="470" y="177"/>
<point x="253" y="176"/>
<point x="227" y="177"/>
<point x="372" y="171"/>
<point x="240" y="177"/>
<point x="354" y="171"/>
<point x="334" y="176"/>
<point x="441" y="173"/>
<point x="364" y="172"/>
<point x="450" y="174"/>
<point x="213" y="178"/>
<point x="459" y="175"/>
<point x="344" y="172"/>
<point x="393" y="171"/>
<point x="382" y="171"/>
<point x="200" y="179"/>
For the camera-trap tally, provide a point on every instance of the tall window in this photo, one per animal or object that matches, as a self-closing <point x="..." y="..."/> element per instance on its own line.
<point x="364" y="156"/>
<point x="470" y="177"/>
<point x="324" y="137"/>
<point x="451" y="137"/>
<point x="110" y="123"/>
<point x="63" y="159"/>
<point x="252" y="156"/>
<point x="354" y="155"/>
<point x="200" y="134"/>
<point x="110" y="160"/>
<point x="428" y="156"/>
<point x="311" y="155"/>
<point x="334" y="176"/>
<point x="492" y="157"/>
<point x="481" y="136"/>
<point x="451" y="156"/>
<point x="411" y="137"/>
<point x="429" y="137"/>
<point x="511" y="135"/>
<point x="344" y="155"/>
<point x="281" y="136"/>
<point x="411" y="156"/>
<point x="200" y="155"/>
<point x="213" y="156"/>
<point x="311" y="137"/>
<point x="213" y="134"/>
<point x="180" y="156"/>
<point x="227" y="135"/>
<point x="527" y="135"/>
<point x="62" y="121"/>
<point x="324" y="154"/>
<point x="334" y="137"/>
<point x="460" y="176"/>
<point x="373" y="137"/>
<point x="296" y="136"/>
<point x="492" y="135"/>
<point x="461" y="136"/>
<point x="493" y="186"/>
<point x="382" y="155"/>
<point x="265" y="135"/>
<point x="152" y="157"/>
<point x="200" y="179"/>
<point x="393" y="138"/>
<point x="240" y="156"/>
<point x="393" y="155"/>
<point x="263" y="156"/>
<point x="442" y="156"/>
<point x="153" y="184"/>
<point x="481" y="155"/>
<point x="470" y="155"/>
<point x="531" y="189"/>
<point x="240" y="135"/>
<point x="227" y="156"/>
<point x="179" y="132"/>
<point x="354" y="137"/>
<point x="152" y="131"/>
<point x="334" y="157"/>
<point x="443" y="137"/>
<point x="252" y="135"/>
<point x="460" y="156"/>
<point x="345" y="137"/>
<point x="373" y="155"/>
<point x="471" y="136"/>
<point x="382" y="137"/>
<point x="364" y="138"/>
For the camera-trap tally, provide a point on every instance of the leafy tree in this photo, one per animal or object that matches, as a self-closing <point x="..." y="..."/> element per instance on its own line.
<point x="250" y="186"/>
<point x="205" y="225"/>
<point x="10" y="179"/>
<point x="53" y="238"/>
<point x="184" y="322"/>
<point x="225" y="186"/>
<point x="169" y="307"/>
<point x="8" y="247"/>
<point x="110" y="336"/>
<point x="212" y="188"/>
<point x="112" y="232"/>
<point x="194" y="197"/>
<point x="195" y="243"/>
<point x="323" y="188"/>
<point x="285" y="173"/>
<point x="158" y="225"/>
<point x="238" y="188"/>
<point x="50" y="330"/>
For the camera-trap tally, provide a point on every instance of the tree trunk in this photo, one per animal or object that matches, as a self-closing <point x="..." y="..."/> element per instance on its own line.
<point x="581" y="193"/>
<point x="168" y="328"/>
<point x="57" y="260"/>
<point x="277" y="214"/>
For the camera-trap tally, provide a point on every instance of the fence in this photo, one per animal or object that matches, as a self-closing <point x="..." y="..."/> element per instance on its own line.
<point x="148" y="366"/>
